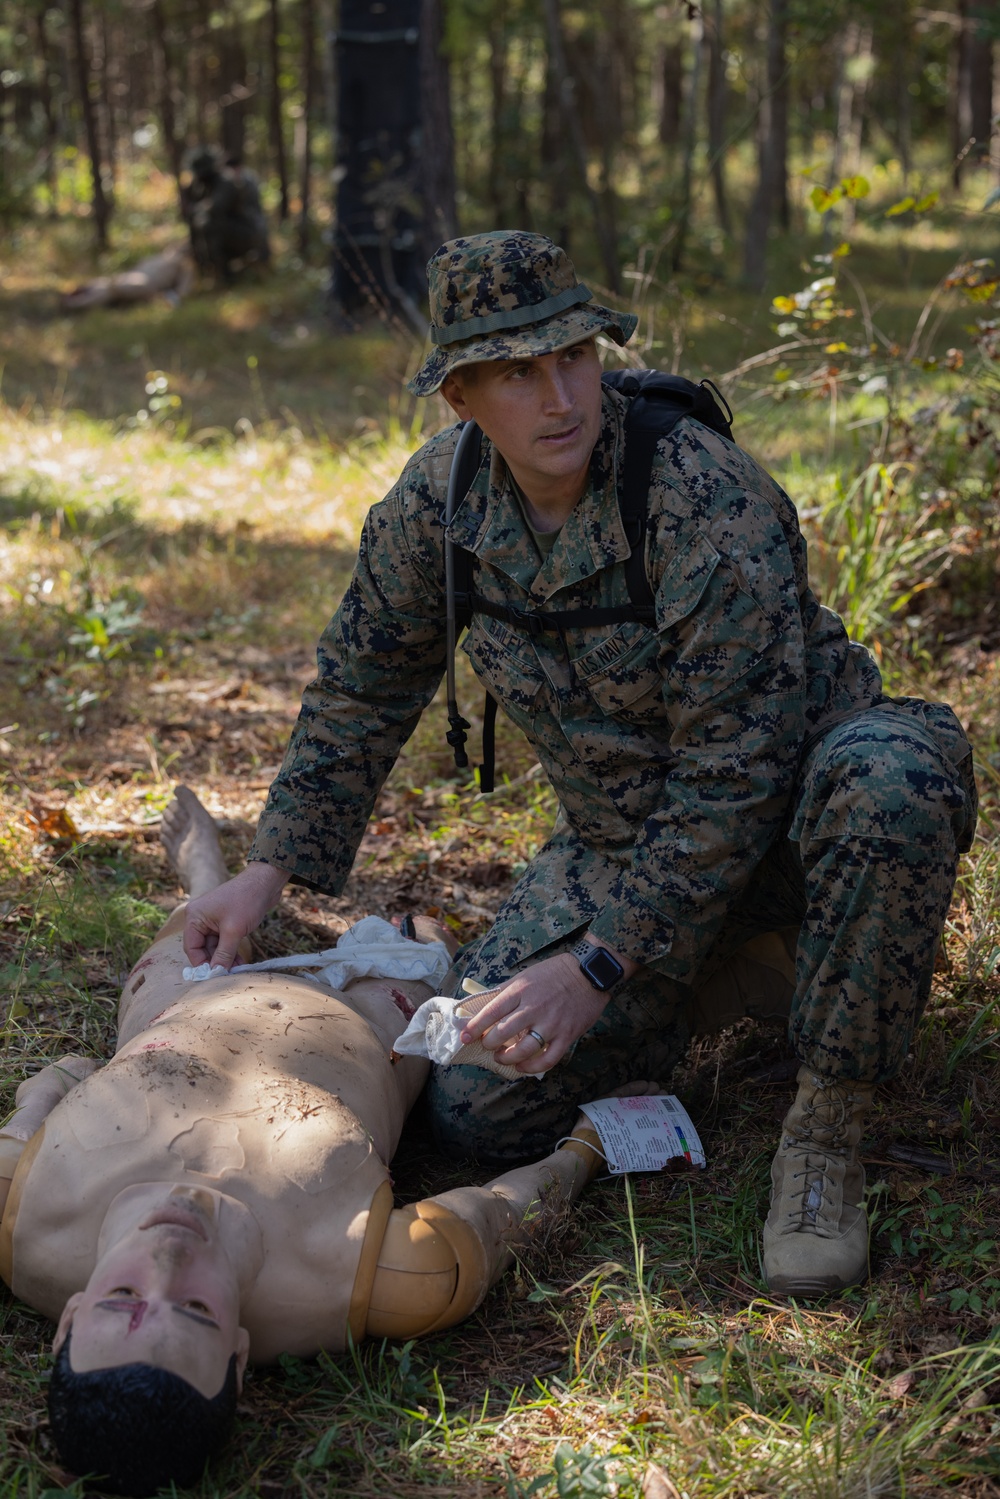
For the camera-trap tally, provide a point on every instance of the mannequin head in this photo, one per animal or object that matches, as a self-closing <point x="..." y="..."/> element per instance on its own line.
<point x="158" y="1328"/>
<point x="166" y="1287"/>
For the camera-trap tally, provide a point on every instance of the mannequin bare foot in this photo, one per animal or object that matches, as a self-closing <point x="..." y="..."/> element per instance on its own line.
<point x="190" y="838"/>
<point x="426" y="929"/>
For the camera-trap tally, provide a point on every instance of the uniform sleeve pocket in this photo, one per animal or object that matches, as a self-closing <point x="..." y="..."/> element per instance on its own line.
<point x="684" y="581"/>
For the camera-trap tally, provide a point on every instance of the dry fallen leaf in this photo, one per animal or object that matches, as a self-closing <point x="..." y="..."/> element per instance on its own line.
<point x="658" y="1485"/>
<point x="53" y="823"/>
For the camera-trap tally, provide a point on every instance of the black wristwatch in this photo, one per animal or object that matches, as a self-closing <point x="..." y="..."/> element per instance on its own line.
<point x="598" y="965"/>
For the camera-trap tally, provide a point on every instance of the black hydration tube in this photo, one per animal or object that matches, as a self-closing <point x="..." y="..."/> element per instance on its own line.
<point x="457" y="735"/>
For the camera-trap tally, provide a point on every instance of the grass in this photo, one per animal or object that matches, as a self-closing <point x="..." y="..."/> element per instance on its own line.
<point x="163" y="580"/>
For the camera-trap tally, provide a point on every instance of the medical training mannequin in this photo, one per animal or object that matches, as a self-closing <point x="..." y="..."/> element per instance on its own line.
<point x="220" y="1189"/>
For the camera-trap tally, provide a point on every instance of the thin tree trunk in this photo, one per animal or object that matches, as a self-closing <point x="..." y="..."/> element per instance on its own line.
<point x="166" y="92"/>
<point x="45" y="94"/>
<point x="864" y="64"/>
<point x="277" y="132"/>
<point x="981" y="86"/>
<point x="437" y="159"/>
<point x="498" y="88"/>
<point x="231" y="90"/>
<point x="670" y="100"/>
<point x="690" y="139"/>
<point x="772" y="136"/>
<point x="308" y="109"/>
<point x="554" y="162"/>
<point x="607" y="87"/>
<point x="574" y="130"/>
<point x="99" y="202"/>
<point x="717" y="117"/>
<point x="904" y="110"/>
<point x="973" y="112"/>
<point x="106" y="73"/>
<point x="196" y="76"/>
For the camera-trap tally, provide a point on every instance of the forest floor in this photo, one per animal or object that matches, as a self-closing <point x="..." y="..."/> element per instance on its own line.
<point x="181" y="493"/>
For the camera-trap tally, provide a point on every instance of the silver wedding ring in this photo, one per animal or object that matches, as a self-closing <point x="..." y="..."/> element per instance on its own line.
<point x="539" y="1038"/>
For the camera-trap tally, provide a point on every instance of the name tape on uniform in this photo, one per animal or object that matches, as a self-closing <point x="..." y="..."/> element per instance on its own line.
<point x="644" y="1134"/>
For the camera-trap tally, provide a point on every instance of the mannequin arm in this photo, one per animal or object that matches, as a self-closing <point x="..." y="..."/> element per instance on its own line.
<point x="439" y="1257"/>
<point x="35" y="1099"/>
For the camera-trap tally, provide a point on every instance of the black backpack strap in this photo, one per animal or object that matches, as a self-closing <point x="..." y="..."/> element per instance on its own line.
<point x="658" y="403"/>
<point x="464" y="468"/>
<point x="486" y="770"/>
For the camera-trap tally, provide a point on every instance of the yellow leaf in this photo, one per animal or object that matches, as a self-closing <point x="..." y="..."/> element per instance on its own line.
<point x="821" y="200"/>
<point x="842" y="249"/>
<point x="835" y="349"/>
<point x="926" y="203"/>
<point x="783" y="304"/>
<point x="856" y="187"/>
<point x="903" y="206"/>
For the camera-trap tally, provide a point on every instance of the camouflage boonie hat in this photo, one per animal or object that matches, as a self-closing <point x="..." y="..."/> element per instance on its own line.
<point x="507" y="295"/>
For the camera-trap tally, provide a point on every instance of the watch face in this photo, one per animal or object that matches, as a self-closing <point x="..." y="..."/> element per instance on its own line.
<point x="602" y="968"/>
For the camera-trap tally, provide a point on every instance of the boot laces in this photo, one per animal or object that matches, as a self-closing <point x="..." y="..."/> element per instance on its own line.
<point x="822" y="1134"/>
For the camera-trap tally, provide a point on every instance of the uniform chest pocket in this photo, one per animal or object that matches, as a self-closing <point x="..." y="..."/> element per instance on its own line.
<point x="504" y="661"/>
<point x="622" y="673"/>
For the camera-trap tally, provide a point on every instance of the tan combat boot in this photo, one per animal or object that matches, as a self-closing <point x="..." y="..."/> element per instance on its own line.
<point x="816" y="1233"/>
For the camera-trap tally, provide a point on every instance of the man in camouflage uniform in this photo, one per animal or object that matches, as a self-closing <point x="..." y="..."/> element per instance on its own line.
<point x="731" y="770"/>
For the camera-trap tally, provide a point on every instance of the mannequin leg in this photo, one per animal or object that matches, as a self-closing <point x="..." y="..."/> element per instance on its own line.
<point x="192" y="843"/>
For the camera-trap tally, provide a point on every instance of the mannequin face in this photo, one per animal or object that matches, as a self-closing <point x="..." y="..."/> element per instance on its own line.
<point x="165" y="1289"/>
<point x="544" y="415"/>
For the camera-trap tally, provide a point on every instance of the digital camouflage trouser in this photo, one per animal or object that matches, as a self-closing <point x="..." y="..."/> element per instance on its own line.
<point x="883" y="805"/>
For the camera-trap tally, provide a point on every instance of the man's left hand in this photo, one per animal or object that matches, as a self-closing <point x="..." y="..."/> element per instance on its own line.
<point x="552" y="997"/>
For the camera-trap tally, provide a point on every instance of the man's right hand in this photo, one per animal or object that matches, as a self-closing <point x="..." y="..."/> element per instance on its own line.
<point x="216" y="923"/>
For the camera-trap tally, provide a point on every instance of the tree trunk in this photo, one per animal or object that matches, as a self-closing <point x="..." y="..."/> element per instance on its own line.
<point x="308" y="109"/>
<point x="716" y="104"/>
<point x="274" y="110"/>
<point x="99" y="202"/>
<point x="106" y="72"/>
<point x="690" y="143"/>
<point x="234" y="94"/>
<point x="48" y="108"/>
<point x="574" y="129"/>
<point x="670" y="78"/>
<point x="498" y="86"/>
<point x="377" y="247"/>
<point x="608" y="109"/>
<point x="863" y="69"/>
<point x="168" y="122"/>
<point x="981" y="85"/>
<point x="197" y="81"/>
<point x="973" y="110"/>
<point x="554" y="161"/>
<point x="772" y="137"/>
<point x="437" y="156"/>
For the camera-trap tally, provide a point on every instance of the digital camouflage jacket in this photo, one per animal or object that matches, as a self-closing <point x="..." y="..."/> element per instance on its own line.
<point x="673" y="751"/>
